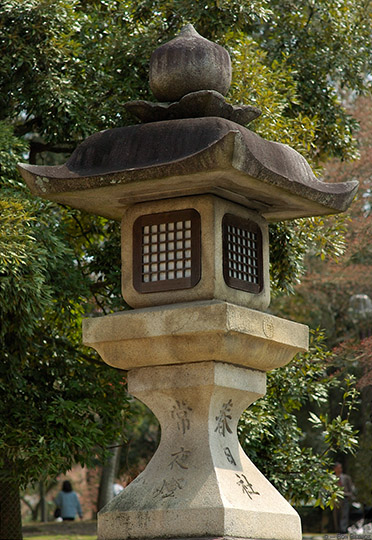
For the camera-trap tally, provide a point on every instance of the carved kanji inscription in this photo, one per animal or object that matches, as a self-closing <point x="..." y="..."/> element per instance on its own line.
<point x="181" y="413"/>
<point x="224" y="418"/>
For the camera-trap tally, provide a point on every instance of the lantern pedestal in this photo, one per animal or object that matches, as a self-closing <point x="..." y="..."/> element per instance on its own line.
<point x="199" y="482"/>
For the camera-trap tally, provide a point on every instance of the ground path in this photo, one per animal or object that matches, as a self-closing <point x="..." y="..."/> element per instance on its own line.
<point x="88" y="528"/>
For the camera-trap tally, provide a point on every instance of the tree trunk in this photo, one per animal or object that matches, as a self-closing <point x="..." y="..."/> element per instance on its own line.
<point x="10" y="512"/>
<point x="43" y="503"/>
<point x="109" y="470"/>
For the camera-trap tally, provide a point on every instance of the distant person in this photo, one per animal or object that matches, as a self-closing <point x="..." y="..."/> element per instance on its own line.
<point x="117" y="488"/>
<point x="342" y="509"/>
<point x="68" y="502"/>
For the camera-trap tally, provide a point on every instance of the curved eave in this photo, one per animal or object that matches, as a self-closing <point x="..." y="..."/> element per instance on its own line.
<point x="113" y="169"/>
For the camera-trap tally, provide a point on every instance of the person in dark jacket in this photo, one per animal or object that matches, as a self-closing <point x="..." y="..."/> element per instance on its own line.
<point x="68" y="502"/>
<point x="342" y="509"/>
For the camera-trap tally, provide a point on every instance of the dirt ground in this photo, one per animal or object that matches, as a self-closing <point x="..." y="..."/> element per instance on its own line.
<point x="67" y="527"/>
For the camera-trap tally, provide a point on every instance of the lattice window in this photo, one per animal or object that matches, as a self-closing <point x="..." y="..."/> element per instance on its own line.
<point x="242" y="254"/>
<point x="166" y="251"/>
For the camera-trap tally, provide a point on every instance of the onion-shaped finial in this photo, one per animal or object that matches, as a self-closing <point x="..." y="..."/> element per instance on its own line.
<point x="189" y="63"/>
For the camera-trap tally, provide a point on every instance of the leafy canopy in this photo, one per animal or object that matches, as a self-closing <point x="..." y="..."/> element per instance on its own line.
<point x="58" y="404"/>
<point x="324" y="296"/>
<point x="276" y="440"/>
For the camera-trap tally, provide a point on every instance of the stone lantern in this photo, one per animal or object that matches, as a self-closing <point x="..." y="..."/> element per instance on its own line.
<point x="195" y="191"/>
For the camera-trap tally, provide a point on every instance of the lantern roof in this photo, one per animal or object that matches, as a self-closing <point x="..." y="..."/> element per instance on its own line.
<point x="193" y="142"/>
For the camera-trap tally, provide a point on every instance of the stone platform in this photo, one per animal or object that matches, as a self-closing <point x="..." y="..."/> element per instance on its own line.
<point x="195" y="332"/>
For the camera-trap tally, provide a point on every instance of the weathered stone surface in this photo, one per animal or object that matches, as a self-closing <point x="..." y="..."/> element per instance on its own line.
<point x="116" y="168"/>
<point x="182" y="362"/>
<point x="199" y="483"/>
<point x="195" y="332"/>
<point x="189" y="63"/>
<point x="193" y="105"/>
<point x="212" y="284"/>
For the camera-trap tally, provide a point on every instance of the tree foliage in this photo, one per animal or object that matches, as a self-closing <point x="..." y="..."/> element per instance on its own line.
<point x="58" y="403"/>
<point x="275" y="439"/>
<point x="323" y="297"/>
<point x="326" y="43"/>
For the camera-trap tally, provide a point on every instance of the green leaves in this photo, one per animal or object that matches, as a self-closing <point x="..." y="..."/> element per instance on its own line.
<point x="321" y="41"/>
<point x="290" y="244"/>
<point x="59" y="405"/>
<point x="24" y="291"/>
<point x="68" y="67"/>
<point x="47" y="427"/>
<point x="290" y="438"/>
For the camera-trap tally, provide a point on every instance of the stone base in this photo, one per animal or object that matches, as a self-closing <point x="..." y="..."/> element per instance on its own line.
<point x="246" y="505"/>
<point x="199" y="483"/>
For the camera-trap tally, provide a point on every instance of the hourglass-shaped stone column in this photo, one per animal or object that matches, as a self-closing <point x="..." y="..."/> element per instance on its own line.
<point x="199" y="483"/>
